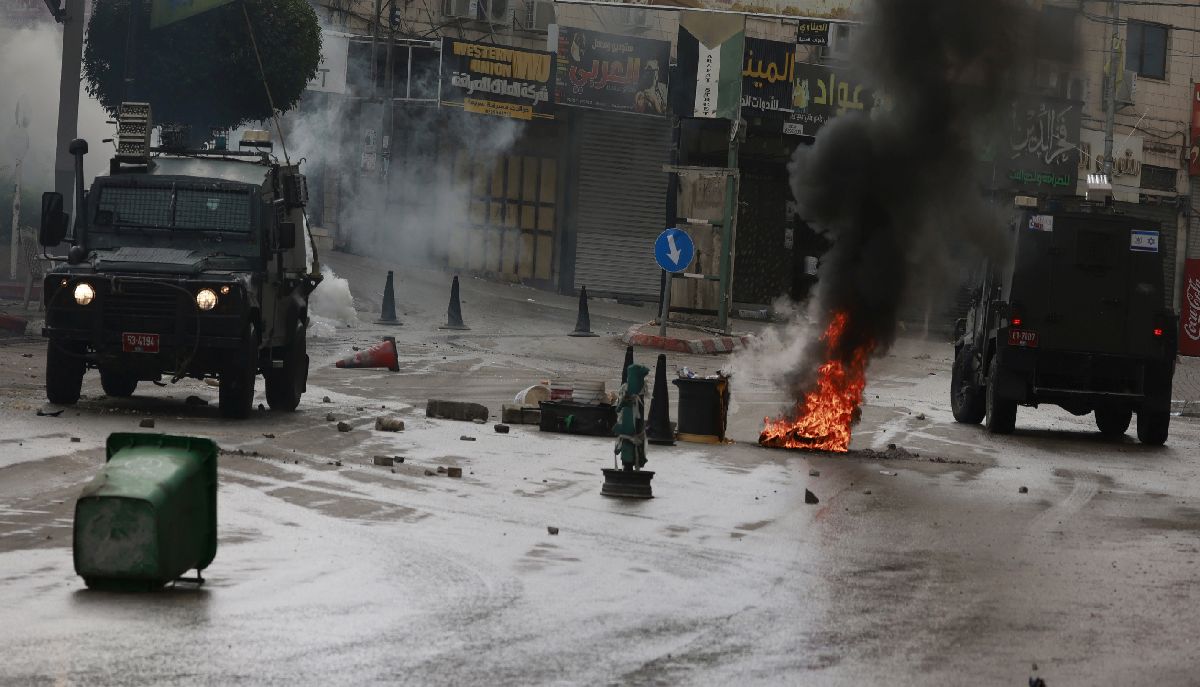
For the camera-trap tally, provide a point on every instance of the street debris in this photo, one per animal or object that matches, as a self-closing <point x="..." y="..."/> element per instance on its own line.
<point x="385" y="461"/>
<point x="268" y="436"/>
<point x="455" y="410"/>
<point x="74" y="440"/>
<point x="893" y="452"/>
<point x="429" y="473"/>
<point x="867" y="492"/>
<point x="1023" y="490"/>
<point x="888" y="473"/>
<point x="382" y="354"/>
<point x="552" y="529"/>
<point x="344" y="427"/>
<point x="47" y="411"/>
<point x="454" y="472"/>
<point x="326" y="399"/>
<point x="501" y="429"/>
<point x="194" y="401"/>
<point x="520" y="414"/>
<point x="814" y="473"/>
<point x="479" y="421"/>
<point x="441" y="469"/>
<point x="466" y="438"/>
<point x="147" y="423"/>
<point x="920" y="416"/>
<point x="389" y="424"/>
<point x="26" y="355"/>
<point x="330" y="417"/>
<point x="811" y="498"/>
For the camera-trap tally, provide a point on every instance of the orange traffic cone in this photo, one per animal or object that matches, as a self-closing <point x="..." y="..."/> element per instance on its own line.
<point x="382" y="354"/>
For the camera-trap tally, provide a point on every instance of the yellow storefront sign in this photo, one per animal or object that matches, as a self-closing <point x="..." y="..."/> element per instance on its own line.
<point x="491" y="107"/>
<point x="164" y="12"/>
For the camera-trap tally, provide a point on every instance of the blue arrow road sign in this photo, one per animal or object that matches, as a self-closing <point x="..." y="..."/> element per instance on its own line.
<point x="674" y="250"/>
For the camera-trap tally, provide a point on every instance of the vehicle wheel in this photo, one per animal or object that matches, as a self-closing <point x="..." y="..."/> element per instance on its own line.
<point x="116" y="384"/>
<point x="966" y="399"/>
<point x="1000" y="415"/>
<point x="1152" y="427"/>
<point x="1112" y="422"/>
<point x="64" y="371"/>
<point x="236" y="394"/>
<point x="285" y="385"/>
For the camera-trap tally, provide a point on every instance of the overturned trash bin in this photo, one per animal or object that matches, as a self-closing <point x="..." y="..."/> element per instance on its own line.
<point x="150" y="515"/>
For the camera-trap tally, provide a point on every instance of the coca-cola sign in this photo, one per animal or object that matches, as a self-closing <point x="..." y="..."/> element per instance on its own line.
<point x="1189" y="320"/>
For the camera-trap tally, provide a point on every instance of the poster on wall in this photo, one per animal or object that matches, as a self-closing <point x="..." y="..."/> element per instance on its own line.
<point x="767" y="77"/>
<point x="1041" y="151"/>
<point x="1189" y="305"/>
<point x="497" y="80"/>
<point x="711" y="46"/>
<point x="610" y="72"/>
<point x="820" y="93"/>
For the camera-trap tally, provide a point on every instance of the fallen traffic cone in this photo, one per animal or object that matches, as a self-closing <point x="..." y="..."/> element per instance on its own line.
<point x="382" y="354"/>
<point x="628" y="362"/>
<point x="583" y="322"/>
<point x="658" y="426"/>
<point x="454" y="318"/>
<point x="388" y="315"/>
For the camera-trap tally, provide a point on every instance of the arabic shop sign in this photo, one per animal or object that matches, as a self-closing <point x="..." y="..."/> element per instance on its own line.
<point x="812" y="32"/>
<point x="496" y="80"/>
<point x="767" y="76"/>
<point x="821" y="93"/>
<point x="1042" y="149"/>
<point x="1126" y="167"/>
<point x="610" y="72"/>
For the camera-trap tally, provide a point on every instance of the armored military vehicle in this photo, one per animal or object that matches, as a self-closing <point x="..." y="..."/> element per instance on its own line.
<point x="1075" y="317"/>
<point x="182" y="263"/>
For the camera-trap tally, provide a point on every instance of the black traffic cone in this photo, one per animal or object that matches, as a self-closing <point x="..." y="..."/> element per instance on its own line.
<point x="454" y="318"/>
<point x="388" y="315"/>
<point x="658" y="426"/>
<point x="628" y="362"/>
<point x="583" y="323"/>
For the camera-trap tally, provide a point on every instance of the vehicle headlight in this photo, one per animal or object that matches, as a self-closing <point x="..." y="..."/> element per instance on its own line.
<point x="84" y="293"/>
<point x="206" y="299"/>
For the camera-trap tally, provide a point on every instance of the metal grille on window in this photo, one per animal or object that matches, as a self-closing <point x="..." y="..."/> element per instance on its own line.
<point x="212" y="210"/>
<point x="142" y="207"/>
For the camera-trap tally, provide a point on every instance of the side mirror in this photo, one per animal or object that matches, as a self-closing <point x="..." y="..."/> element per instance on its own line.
<point x="285" y="236"/>
<point x="54" y="221"/>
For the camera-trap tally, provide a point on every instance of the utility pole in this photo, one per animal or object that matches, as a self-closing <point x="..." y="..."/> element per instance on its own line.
<point x="1110" y="104"/>
<point x="68" y="100"/>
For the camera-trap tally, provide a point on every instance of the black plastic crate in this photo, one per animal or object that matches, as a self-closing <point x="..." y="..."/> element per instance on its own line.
<point x="568" y="417"/>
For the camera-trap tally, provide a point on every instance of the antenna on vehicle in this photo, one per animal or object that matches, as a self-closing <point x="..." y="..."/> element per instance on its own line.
<point x="263" y="75"/>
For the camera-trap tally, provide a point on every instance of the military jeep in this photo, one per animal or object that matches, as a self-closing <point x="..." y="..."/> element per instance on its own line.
<point x="182" y="264"/>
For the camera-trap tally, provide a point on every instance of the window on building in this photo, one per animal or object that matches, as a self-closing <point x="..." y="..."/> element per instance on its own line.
<point x="1146" y="49"/>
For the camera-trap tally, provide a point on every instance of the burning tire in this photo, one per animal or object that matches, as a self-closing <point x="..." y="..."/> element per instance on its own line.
<point x="1152" y="427"/>
<point x="1113" y="422"/>
<point x="1001" y="414"/>
<point x="967" y="401"/>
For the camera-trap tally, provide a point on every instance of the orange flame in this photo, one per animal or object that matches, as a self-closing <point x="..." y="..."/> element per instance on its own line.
<point x="821" y="420"/>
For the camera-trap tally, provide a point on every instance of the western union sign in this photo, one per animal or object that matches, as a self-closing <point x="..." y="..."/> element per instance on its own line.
<point x="164" y="12"/>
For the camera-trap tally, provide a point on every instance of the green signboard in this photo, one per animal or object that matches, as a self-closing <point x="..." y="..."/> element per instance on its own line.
<point x="164" y="12"/>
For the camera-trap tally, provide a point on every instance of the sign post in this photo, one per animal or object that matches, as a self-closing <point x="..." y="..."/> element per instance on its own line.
<point x="673" y="251"/>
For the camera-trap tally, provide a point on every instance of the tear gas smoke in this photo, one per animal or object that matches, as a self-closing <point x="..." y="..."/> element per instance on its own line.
<point x="330" y="306"/>
<point x="893" y="190"/>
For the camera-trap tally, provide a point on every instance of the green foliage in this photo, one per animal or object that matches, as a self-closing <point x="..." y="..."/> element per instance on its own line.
<point x="201" y="71"/>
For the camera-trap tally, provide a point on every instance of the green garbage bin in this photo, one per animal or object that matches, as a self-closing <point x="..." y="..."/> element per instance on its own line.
<point x="151" y="513"/>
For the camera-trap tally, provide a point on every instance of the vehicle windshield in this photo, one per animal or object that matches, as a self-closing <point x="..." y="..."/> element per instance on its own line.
<point x="225" y="210"/>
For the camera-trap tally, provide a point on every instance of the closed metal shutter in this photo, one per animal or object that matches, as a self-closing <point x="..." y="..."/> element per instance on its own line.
<point x="621" y="206"/>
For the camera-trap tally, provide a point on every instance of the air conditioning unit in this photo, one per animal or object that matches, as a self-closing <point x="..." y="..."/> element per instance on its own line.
<point x="539" y="15"/>
<point x="841" y="42"/>
<point x="460" y="9"/>
<point x="500" y="11"/>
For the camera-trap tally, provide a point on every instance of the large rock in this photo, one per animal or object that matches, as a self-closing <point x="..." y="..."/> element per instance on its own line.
<point x="456" y="410"/>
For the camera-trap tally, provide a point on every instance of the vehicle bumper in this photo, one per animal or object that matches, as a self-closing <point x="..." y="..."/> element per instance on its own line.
<point x="1079" y="379"/>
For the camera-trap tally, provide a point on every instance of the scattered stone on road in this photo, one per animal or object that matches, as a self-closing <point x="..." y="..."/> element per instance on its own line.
<point x="466" y="438"/>
<point x="329" y="417"/>
<point x="867" y="492"/>
<point x="454" y="472"/>
<point x="268" y="436"/>
<point x="921" y="416"/>
<point x="889" y="473"/>
<point x="195" y="401"/>
<point x="551" y="529"/>
<point x="344" y="427"/>
<point x="810" y="498"/>
<point x="429" y="473"/>
<point x="479" y="421"/>
<point x="147" y="423"/>
<point x="501" y="429"/>
<point x="1023" y="490"/>
<point x="50" y="411"/>
<point x="814" y="473"/>
<point x="389" y="424"/>
<point x="326" y="399"/>
<point x="456" y="410"/>
<point x="385" y="461"/>
<point x="441" y="468"/>
<point x="74" y="440"/>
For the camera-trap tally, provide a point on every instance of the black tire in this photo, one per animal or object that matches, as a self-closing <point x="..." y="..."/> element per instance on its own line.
<point x="1000" y="415"/>
<point x="966" y="400"/>
<point x="64" y="371"/>
<point x="285" y="385"/>
<point x="1113" y="422"/>
<point x="236" y="393"/>
<point x="116" y="384"/>
<point x="1153" y="426"/>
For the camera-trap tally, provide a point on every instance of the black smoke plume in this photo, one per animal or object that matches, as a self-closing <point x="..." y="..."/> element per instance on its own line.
<point x="891" y="190"/>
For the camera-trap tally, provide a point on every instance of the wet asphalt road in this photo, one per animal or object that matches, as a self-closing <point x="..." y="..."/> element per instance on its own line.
<point x="352" y="574"/>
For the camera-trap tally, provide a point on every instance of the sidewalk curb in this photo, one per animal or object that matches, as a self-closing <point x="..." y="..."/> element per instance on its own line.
<point x="706" y="346"/>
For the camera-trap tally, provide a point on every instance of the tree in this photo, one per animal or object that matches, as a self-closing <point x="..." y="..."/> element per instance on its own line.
<point x="201" y="71"/>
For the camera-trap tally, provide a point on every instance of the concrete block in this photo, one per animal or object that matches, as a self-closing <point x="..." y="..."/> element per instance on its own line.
<point x="456" y="410"/>
<point x="385" y="461"/>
